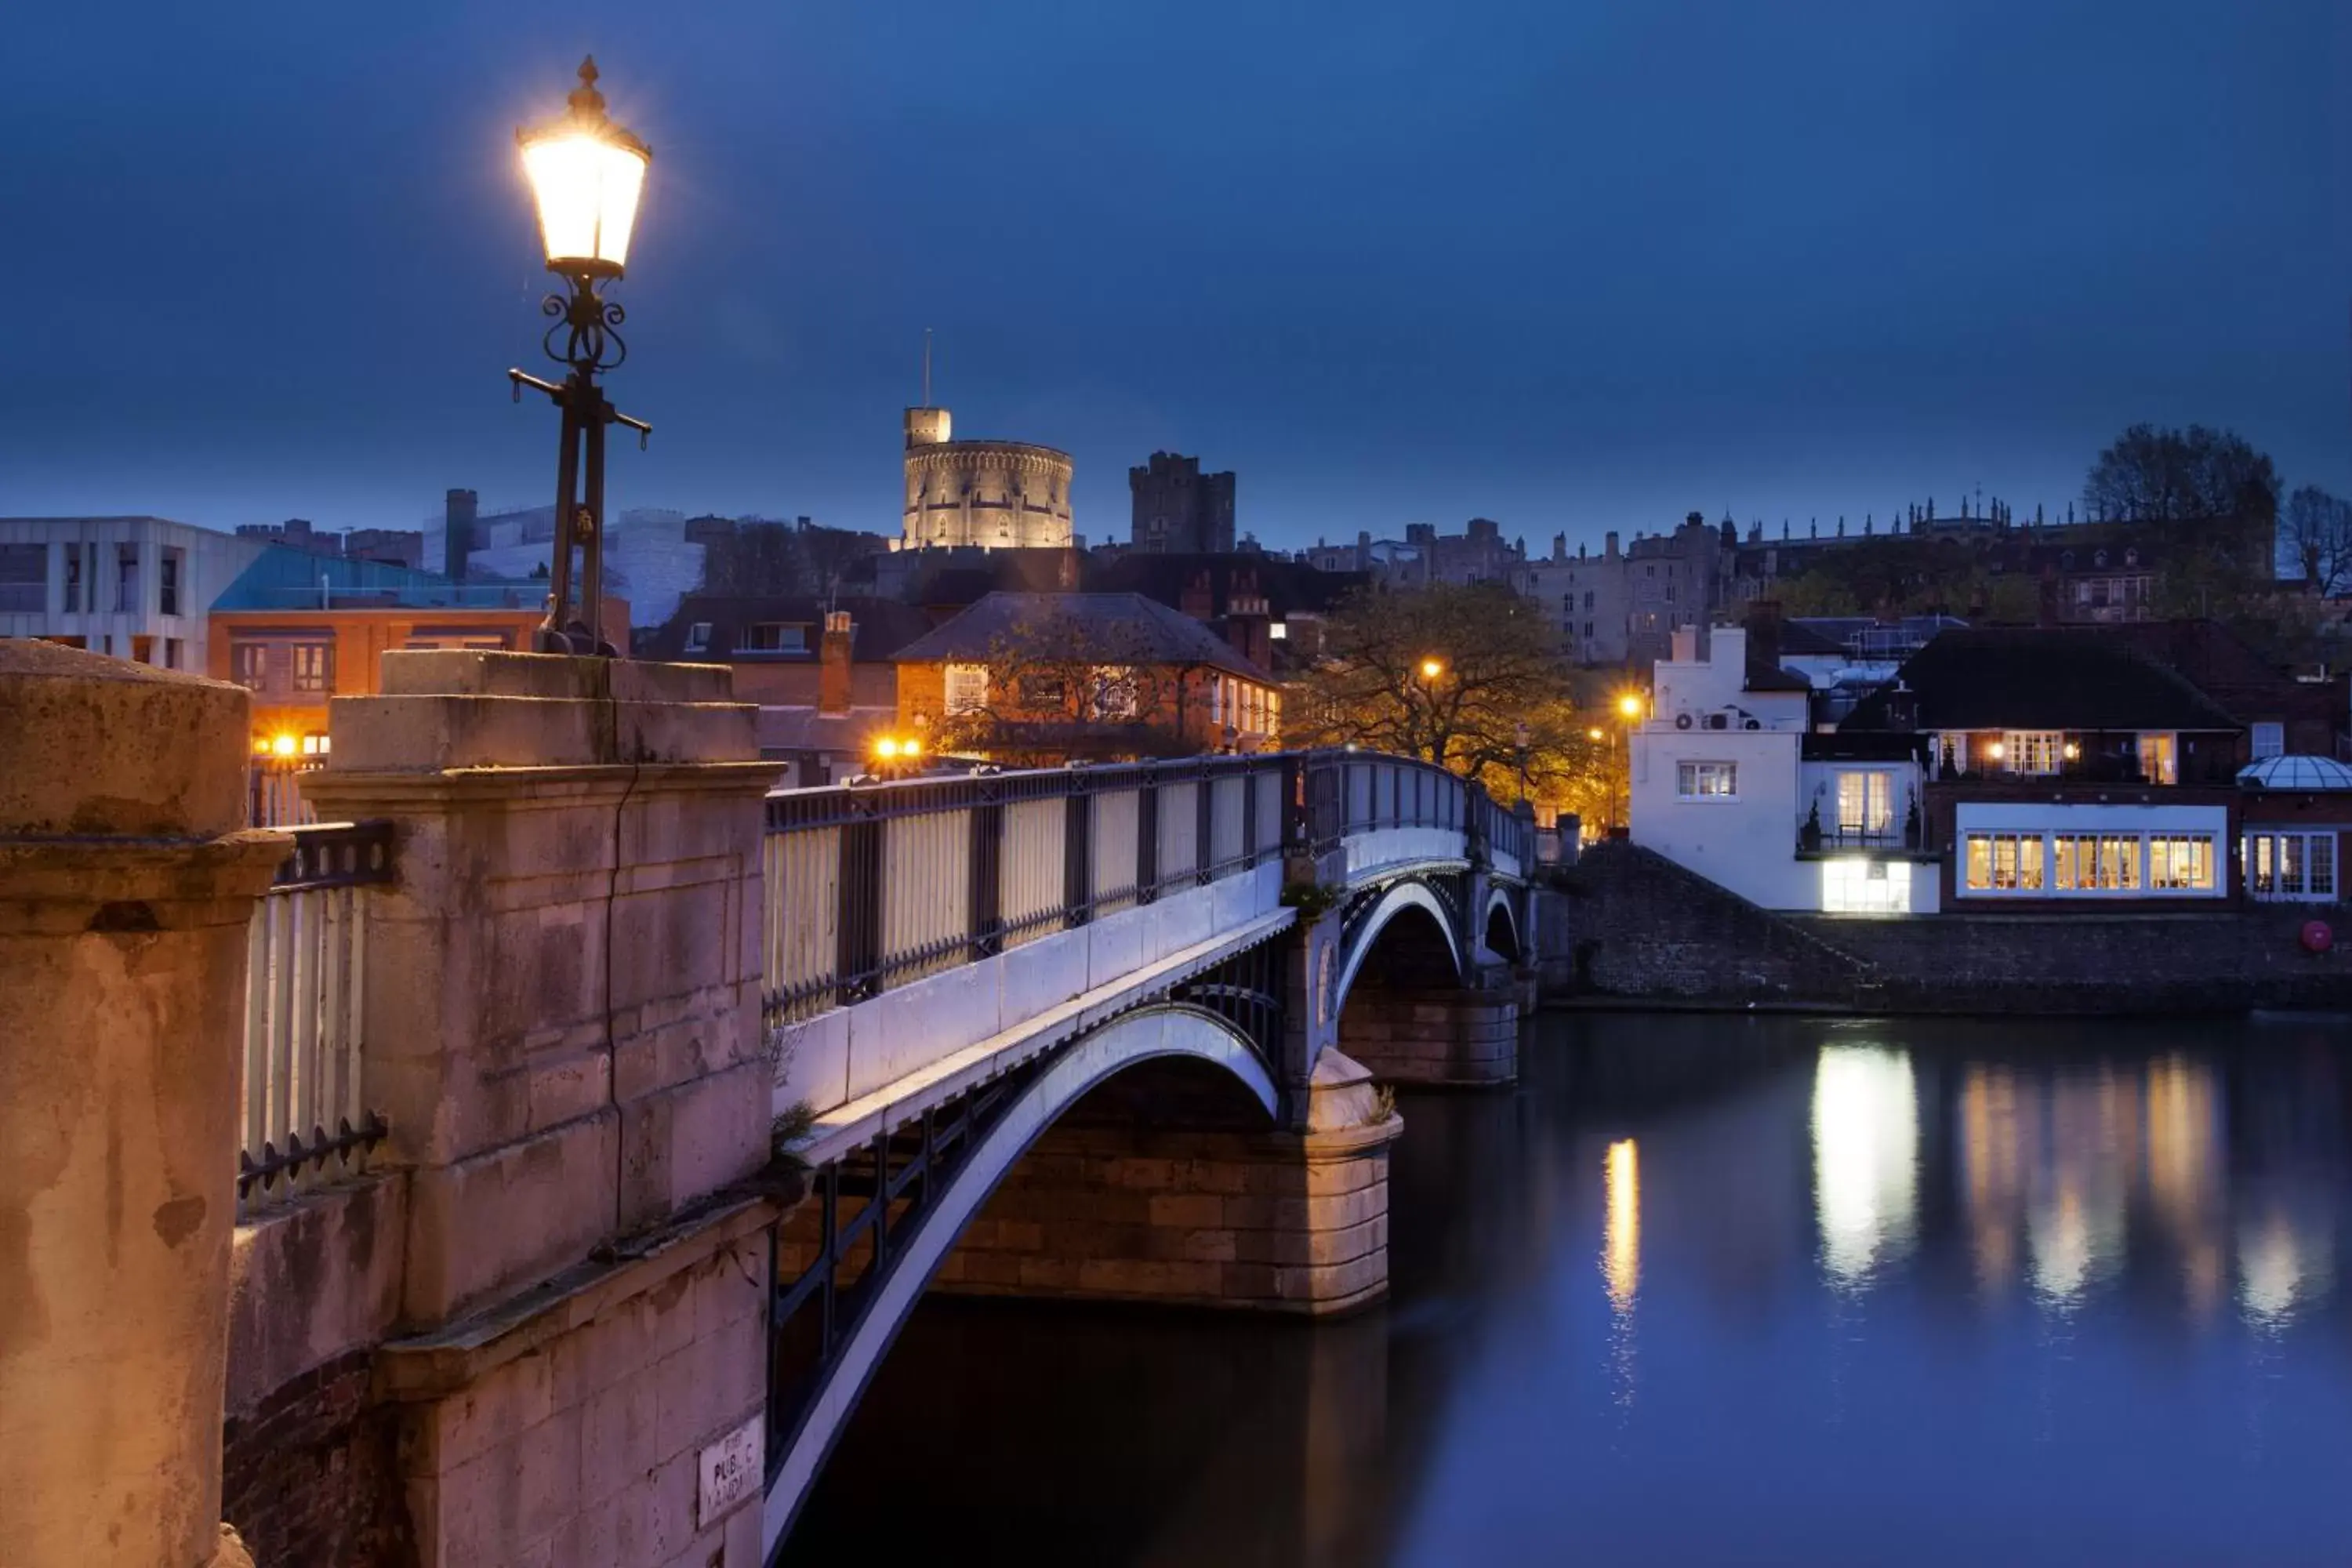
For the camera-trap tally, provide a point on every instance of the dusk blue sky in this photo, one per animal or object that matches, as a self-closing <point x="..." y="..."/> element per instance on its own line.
<point x="1571" y="266"/>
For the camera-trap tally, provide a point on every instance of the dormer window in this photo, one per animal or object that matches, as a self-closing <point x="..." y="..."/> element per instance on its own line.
<point x="774" y="636"/>
<point x="698" y="637"/>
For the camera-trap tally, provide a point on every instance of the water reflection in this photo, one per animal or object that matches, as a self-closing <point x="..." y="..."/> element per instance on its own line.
<point x="1931" y="1292"/>
<point x="1621" y="1249"/>
<point x="1621" y="1258"/>
<point x="1866" y="1127"/>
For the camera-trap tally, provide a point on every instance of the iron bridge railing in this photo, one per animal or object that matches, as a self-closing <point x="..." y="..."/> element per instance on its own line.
<point x="869" y="887"/>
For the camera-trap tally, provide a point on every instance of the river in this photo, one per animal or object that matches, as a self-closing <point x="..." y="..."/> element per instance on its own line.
<point x="1709" y="1290"/>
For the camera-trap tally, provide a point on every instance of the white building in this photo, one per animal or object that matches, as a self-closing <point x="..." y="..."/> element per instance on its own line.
<point x="135" y="588"/>
<point x="1727" y="783"/>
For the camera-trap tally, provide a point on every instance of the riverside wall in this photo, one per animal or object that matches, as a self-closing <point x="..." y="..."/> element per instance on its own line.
<point x="1627" y="927"/>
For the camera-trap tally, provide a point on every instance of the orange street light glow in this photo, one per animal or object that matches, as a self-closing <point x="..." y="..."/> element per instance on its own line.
<point x="283" y="745"/>
<point x="1431" y="670"/>
<point x="1592" y="735"/>
<point x="887" y="746"/>
<point x="1630" y="705"/>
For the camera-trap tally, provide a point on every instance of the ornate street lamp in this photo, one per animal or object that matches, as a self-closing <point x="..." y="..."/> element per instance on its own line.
<point x="585" y="176"/>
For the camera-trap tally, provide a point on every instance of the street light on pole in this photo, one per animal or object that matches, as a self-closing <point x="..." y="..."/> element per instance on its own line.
<point x="586" y="174"/>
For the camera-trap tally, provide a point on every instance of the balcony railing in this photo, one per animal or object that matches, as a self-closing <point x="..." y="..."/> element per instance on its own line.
<point x="305" y="1123"/>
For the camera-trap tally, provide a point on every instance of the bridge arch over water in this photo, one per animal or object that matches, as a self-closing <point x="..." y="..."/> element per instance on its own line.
<point x="920" y="1240"/>
<point x="953" y="963"/>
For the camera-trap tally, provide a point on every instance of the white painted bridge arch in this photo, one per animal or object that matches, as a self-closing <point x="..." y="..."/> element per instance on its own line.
<point x="1399" y="897"/>
<point x="1167" y="1029"/>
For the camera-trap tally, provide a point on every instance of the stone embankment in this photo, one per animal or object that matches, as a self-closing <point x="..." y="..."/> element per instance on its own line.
<point x="1627" y="927"/>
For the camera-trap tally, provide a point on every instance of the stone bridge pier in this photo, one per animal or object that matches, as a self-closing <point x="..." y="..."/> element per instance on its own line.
<point x="1166" y="1185"/>
<point x="125" y="886"/>
<point x="1435" y="975"/>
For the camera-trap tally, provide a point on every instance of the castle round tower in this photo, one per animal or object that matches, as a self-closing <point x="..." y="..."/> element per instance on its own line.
<point x="1002" y="495"/>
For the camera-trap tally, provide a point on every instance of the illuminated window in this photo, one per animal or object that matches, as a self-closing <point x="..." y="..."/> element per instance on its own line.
<point x="2181" y="862"/>
<point x="2004" y="863"/>
<point x="1706" y="781"/>
<point x="2032" y="750"/>
<point x="2292" y="864"/>
<point x="249" y="664"/>
<point x="2160" y="760"/>
<point x="1112" y="694"/>
<point x="2118" y="863"/>
<point x="1866" y="803"/>
<point x="966" y="688"/>
<point x="314" y="665"/>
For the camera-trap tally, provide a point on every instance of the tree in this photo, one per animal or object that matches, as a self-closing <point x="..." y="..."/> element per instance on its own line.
<point x="2195" y="474"/>
<point x="1061" y="686"/>
<point x="1462" y="677"/>
<point x="2208" y="495"/>
<point x="2316" y="538"/>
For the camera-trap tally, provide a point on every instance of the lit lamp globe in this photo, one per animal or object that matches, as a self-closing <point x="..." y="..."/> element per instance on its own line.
<point x="587" y="174"/>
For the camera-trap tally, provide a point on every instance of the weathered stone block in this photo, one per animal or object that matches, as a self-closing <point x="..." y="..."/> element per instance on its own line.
<point x="550" y="1197"/>
<point x="687" y="1142"/>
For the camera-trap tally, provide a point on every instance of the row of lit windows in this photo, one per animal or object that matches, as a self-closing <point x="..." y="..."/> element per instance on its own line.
<point x="2291" y="865"/>
<point x="2089" y="863"/>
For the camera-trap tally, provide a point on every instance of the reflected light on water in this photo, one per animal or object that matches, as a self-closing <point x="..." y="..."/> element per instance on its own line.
<point x="2280" y="1270"/>
<point x="1865" y="1130"/>
<point x="1620" y="1247"/>
<point x="2059" y="1232"/>
<point x="1620" y="1261"/>
<point x="1992" y="1154"/>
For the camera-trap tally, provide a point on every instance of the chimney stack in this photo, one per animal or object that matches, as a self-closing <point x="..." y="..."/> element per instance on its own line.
<point x="833" y="684"/>
<point x="1199" y="598"/>
<point x="1764" y="634"/>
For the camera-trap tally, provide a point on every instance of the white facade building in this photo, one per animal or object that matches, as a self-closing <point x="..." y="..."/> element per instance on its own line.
<point x="135" y="588"/>
<point x="1722" y="786"/>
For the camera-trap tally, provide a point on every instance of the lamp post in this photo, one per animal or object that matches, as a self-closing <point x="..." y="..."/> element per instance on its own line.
<point x="1430" y="670"/>
<point x="1608" y="807"/>
<point x="585" y="176"/>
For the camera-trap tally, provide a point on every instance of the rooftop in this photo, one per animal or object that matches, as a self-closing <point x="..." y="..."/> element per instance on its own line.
<point x="1995" y="678"/>
<point x="2296" y="774"/>
<point x="1136" y="627"/>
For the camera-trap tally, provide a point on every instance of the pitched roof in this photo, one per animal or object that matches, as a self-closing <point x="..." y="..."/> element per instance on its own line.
<point x="1994" y="677"/>
<point x="1155" y="633"/>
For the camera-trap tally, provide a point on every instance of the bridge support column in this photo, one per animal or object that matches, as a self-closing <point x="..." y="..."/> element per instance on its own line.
<point x="562" y="1030"/>
<point x="124" y="892"/>
<point x="1466" y="1037"/>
